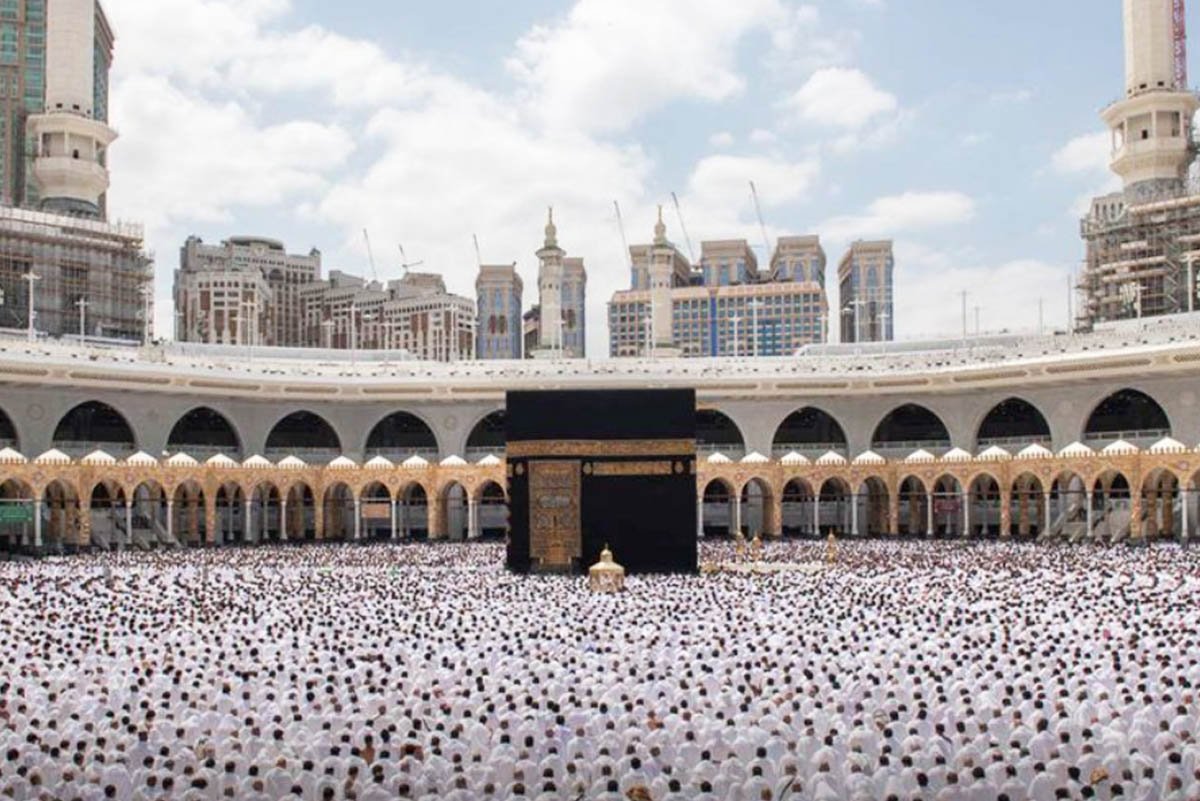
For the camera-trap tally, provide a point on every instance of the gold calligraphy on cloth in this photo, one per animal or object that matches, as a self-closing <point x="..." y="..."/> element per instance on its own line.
<point x="555" y="522"/>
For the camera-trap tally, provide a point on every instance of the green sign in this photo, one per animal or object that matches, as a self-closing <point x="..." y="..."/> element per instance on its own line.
<point x="16" y="513"/>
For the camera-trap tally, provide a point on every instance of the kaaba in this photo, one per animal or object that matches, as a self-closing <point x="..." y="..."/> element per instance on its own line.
<point x="586" y="469"/>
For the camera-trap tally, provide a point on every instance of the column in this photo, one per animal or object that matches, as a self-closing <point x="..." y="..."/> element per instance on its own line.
<point x="854" y="514"/>
<point x="1168" y="514"/>
<point x="128" y="523"/>
<point x="319" y="519"/>
<point x="929" y="514"/>
<point x="246" y="524"/>
<point x="357" y="518"/>
<point x="1136" y="529"/>
<point x="1047" y="522"/>
<point x="1185" y="513"/>
<point x="1089" y="513"/>
<point x="37" y="523"/>
<point x="816" y="501"/>
<point x="894" y="512"/>
<point x="170" y="519"/>
<point x="700" y="517"/>
<point x="1005" y="514"/>
<point x="283" y="520"/>
<point x="392" y="517"/>
<point x="737" y="514"/>
<point x="965" y="498"/>
<point x="472" y="519"/>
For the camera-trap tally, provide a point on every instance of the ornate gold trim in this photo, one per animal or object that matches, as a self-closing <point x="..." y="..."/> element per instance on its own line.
<point x="632" y="468"/>
<point x="597" y="447"/>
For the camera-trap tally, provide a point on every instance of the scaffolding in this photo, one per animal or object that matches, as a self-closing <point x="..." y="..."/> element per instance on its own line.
<point x="1140" y="259"/>
<point x="89" y="273"/>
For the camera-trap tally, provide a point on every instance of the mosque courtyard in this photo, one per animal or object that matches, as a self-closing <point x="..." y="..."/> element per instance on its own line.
<point x="907" y="670"/>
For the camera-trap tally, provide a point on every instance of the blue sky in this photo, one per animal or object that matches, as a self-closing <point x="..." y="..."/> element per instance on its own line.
<point x="968" y="132"/>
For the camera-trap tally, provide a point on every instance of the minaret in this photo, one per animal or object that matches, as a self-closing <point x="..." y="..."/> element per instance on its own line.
<point x="550" y="275"/>
<point x="1151" y="126"/>
<point x="662" y="264"/>
<point x="69" y="167"/>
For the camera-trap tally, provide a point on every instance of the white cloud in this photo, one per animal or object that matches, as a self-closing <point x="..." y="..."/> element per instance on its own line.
<point x="1089" y="153"/>
<point x="182" y="157"/>
<point x="723" y="182"/>
<point x="610" y="62"/>
<point x="839" y="97"/>
<point x="761" y="136"/>
<point x="721" y="139"/>
<point x="910" y="211"/>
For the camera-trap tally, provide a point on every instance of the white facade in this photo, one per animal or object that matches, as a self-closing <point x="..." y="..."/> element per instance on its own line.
<point x="1152" y="126"/>
<point x="70" y="164"/>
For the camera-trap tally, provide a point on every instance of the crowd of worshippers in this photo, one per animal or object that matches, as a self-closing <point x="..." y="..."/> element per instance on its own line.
<point x="930" y="671"/>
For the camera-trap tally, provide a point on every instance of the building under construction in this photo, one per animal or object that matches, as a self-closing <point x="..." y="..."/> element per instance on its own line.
<point x="1142" y="241"/>
<point x="63" y="268"/>
<point x="88" y="275"/>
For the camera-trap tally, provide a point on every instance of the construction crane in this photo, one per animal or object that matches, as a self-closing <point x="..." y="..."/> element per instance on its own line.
<point x="405" y="263"/>
<point x="370" y="256"/>
<point x="478" y="253"/>
<point x="1181" y="70"/>
<point x="761" y="225"/>
<point x="687" y="239"/>
<point x="624" y="242"/>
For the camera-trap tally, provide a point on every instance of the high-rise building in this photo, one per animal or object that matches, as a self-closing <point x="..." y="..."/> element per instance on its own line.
<point x="54" y="59"/>
<point x="562" y="297"/>
<point x="865" y="279"/>
<point x="84" y="273"/>
<point x="251" y="291"/>
<point x="498" y="295"/>
<point x="1141" y="250"/>
<point x="725" y="306"/>
<point x="414" y="314"/>
<point x="244" y="291"/>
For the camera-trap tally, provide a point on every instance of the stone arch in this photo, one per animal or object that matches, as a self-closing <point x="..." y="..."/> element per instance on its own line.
<point x="304" y="434"/>
<point x="716" y="432"/>
<point x="8" y="432"/>
<point x="796" y="505"/>
<point x="834" y="511"/>
<point x="301" y="512"/>
<point x="149" y="513"/>
<point x="401" y="434"/>
<point x="487" y="436"/>
<point x="758" y="508"/>
<point x="492" y="509"/>
<point x="1068" y="507"/>
<point x="948" y="506"/>
<point x="909" y="427"/>
<point x="874" y="501"/>
<point x="16" y="534"/>
<point x="1128" y="414"/>
<point x="375" y="511"/>
<point x="1112" y="507"/>
<point x="230" y="505"/>
<point x="718" y="511"/>
<point x="62" y="527"/>
<point x="266" y="509"/>
<point x="203" y="432"/>
<point x="189" y="521"/>
<point x="338" y="507"/>
<point x="413" y="512"/>
<point x="915" y="513"/>
<point x="1013" y="422"/>
<point x="455" y="511"/>
<point x="1160" y="493"/>
<point x="106" y="512"/>
<point x="809" y="431"/>
<point x="1028" y="511"/>
<point x="985" y="515"/>
<point x="94" y="425"/>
